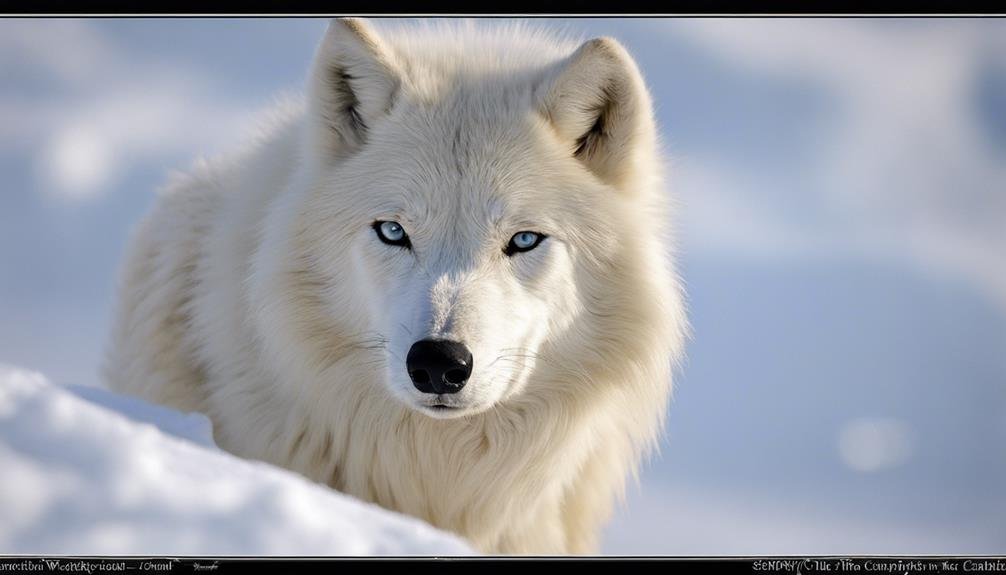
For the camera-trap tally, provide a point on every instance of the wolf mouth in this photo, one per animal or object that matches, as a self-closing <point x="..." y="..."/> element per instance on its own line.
<point x="442" y="410"/>
<point x="441" y="405"/>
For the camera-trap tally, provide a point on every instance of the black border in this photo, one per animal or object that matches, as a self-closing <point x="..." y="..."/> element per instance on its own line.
<point x="510" y="8"/>
<point x="803" y="565"/>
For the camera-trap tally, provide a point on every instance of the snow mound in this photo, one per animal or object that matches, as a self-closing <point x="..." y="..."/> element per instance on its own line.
<point x="88" y="472"/>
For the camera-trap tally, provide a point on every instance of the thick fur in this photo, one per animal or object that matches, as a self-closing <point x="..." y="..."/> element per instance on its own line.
<point x="257" y="292"/>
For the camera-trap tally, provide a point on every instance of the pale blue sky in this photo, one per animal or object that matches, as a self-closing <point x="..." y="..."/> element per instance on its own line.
<point x="842" y="188"/>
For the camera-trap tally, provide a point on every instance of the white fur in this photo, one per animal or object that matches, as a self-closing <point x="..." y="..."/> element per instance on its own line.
<point x="257" y="291"/>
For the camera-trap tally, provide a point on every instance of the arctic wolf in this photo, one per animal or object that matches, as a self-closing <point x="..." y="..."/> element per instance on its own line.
<point x="440" y="284"/>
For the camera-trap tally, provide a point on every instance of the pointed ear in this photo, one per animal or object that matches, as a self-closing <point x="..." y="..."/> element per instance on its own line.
<point x="354" y="81"/>
<point x="599" y="106"/>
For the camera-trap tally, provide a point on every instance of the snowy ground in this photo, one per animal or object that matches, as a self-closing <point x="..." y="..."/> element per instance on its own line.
<point x="85" y="471"/>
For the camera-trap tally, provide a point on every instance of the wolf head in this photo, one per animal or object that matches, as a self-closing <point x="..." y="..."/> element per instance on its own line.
<point x="473" y="209"/>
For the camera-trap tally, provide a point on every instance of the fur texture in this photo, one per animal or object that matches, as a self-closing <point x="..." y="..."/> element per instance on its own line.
<point x="257" y="292"/>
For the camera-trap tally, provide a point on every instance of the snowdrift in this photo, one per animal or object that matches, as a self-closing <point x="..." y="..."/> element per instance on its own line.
<point x="87" y="472"/>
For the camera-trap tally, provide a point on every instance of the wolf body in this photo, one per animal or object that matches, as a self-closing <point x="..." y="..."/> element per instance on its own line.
<point x="283" y="290"/>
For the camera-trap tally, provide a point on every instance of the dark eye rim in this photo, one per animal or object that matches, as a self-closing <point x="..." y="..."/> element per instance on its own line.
<point x="402" y="243"/>
<point x="512" y="248"/>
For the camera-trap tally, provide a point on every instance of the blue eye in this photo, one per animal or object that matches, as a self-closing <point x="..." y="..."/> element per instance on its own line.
<point x="523" y="242"/>
<point x="392" y="233"/>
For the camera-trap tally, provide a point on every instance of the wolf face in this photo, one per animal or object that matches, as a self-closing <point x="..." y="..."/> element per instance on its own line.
<point x="458" y="213"/>
<point x="462" y="267"/>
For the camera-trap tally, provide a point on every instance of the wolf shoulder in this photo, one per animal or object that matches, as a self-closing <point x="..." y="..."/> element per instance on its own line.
<point x="192" y="247"/>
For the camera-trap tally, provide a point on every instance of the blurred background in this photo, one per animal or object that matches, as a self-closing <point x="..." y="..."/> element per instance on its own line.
<point x="842" y="190"/>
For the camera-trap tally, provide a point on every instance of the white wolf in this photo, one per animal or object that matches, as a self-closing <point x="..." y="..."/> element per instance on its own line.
<point x="441" y="285"/>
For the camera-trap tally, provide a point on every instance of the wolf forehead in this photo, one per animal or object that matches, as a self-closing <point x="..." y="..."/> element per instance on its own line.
<point x="456" y="164"/>
<point x="483" y="132"/>
<point x="474" y="154"/>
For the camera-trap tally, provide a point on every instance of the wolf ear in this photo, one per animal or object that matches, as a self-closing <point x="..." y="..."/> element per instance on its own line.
<point x="354" y="82"/>
<point x="598" y="105"/>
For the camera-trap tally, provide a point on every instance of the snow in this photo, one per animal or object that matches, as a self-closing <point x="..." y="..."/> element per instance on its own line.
<point x="86" y="471"/>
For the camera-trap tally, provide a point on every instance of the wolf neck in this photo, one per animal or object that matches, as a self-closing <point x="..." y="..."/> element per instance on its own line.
<point x="409" y="462"/>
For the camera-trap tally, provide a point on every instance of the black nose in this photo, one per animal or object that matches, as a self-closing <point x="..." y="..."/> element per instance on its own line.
<point x="439" y="366"/>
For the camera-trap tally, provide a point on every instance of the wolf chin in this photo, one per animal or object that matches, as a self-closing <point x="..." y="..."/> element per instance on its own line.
<point x="442" y="283"/>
